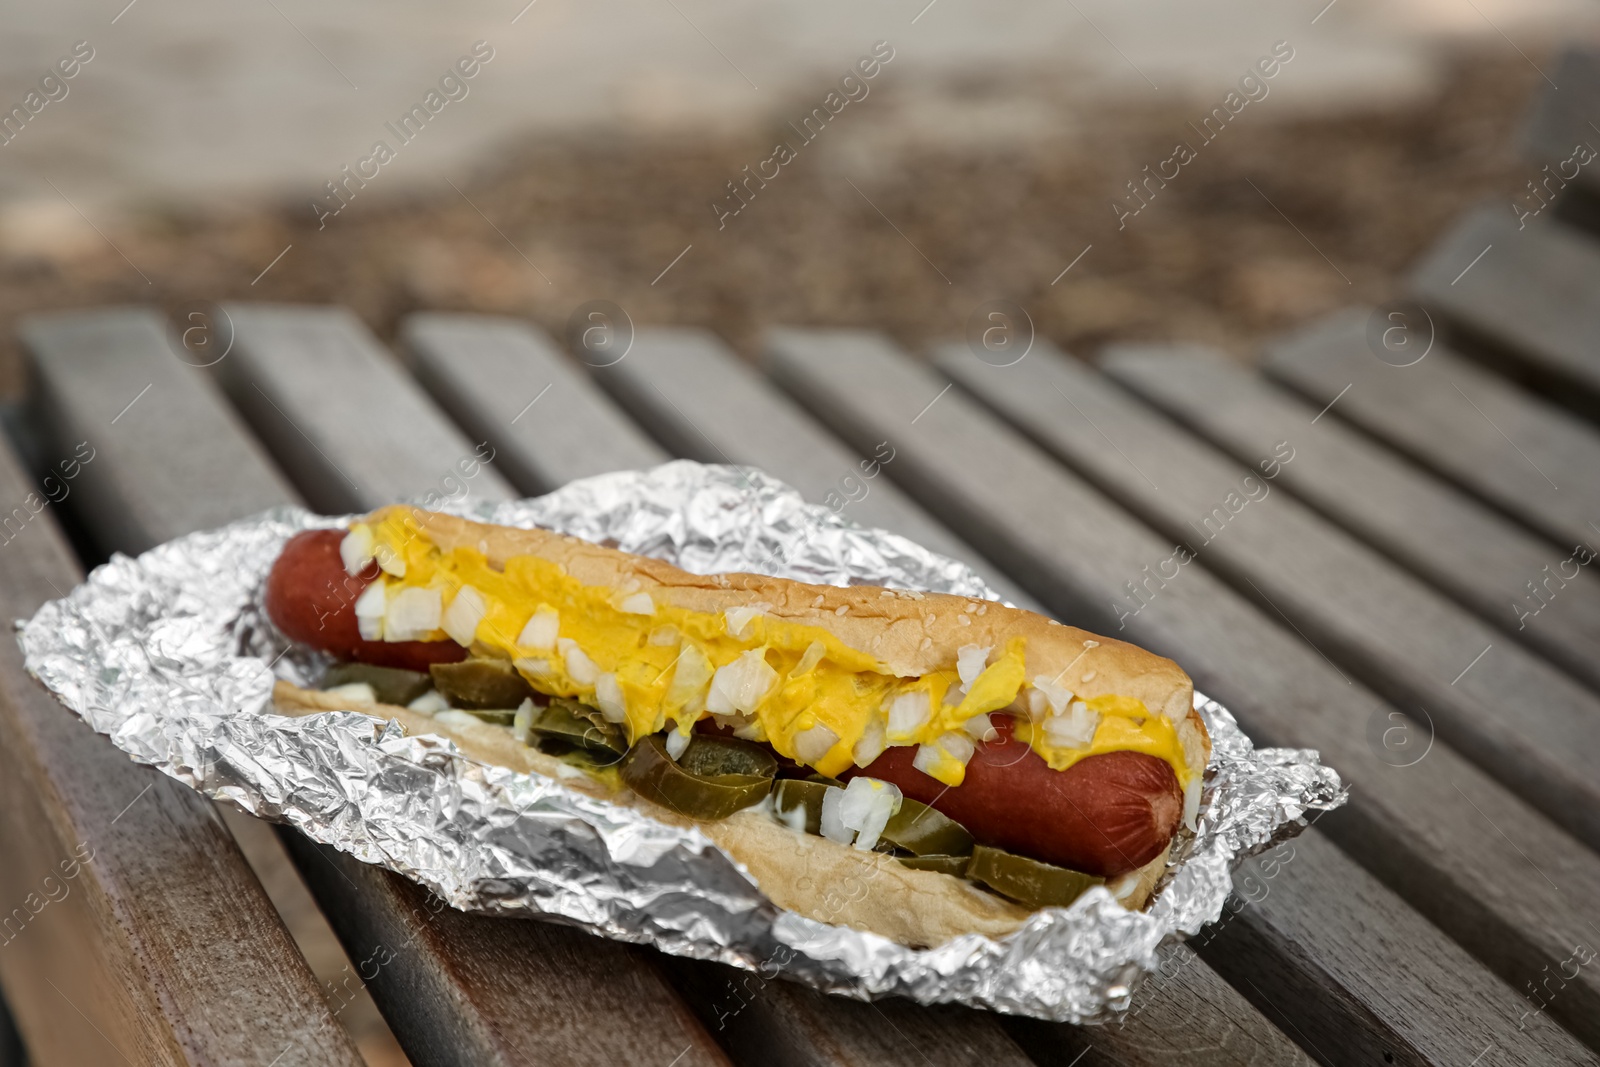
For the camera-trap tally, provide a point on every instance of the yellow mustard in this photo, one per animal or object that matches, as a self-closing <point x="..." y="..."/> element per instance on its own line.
<point x="658" y="658"/>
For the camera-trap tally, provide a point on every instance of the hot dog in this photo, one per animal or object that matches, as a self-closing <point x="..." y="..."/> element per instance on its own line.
<point x="1051" y="748"/>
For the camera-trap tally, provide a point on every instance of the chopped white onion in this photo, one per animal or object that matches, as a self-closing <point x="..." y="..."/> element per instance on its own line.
<point x="955" y="695"/>
<point x="970" y="661"/>
<point x="979" y="728"/>
<point x="391" y="561"/>
<point x="608" y="694"/>
<point x="809" y="658"/>
<point x="1057" y="696"/>
<point x="639" y="604"/>
<point x="580" y="668"/>
<point x="678" y="743"/>
<point x="738" y="619"/>
<point x="369" y="611"/>
<point x="739" y="686"/>
<point x="833" y="827"/>
<point x="522" y="721"/>
<point x="872" y="743"/>
<point x="1033" y="705"/>
<point x="908" y="713"/>
<point x="412" y="614"/>
<point x="664" y="636"/>
<point x="354" y="692"/>
<point x="1122" y="888"/>
<point x="689" y="681"/>
<point x="455" y="717"/>
<point x="958" y="747"/>
<point x="533" y="668"/>
<point x="429" y="703"/>
<point x="1075" y="729"/>
<point x="1191" y="802"/>
<point x="355" y="550"/>
<point x="748" y="729"/>
<point x="813" y="744"/>
<point x="467" y="609"/>
<point x="539" y="635"/>
<point x="865" y="807"/>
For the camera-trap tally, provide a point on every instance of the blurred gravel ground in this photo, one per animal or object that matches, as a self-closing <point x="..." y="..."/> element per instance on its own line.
<point x="876" y="224"/>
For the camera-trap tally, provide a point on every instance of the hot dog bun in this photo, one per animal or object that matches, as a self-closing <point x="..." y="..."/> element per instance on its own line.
<point x="912" y="633"/>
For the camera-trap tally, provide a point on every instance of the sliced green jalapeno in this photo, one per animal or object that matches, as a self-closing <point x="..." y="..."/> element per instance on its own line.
<point x="391" y="685"/>
<point x="1029" y="882"/>
<point x="569" y="723"/>
<point x="714" y="777"/>
<point x="922" y="831"/>
<point x="480" y="683"/>
<point x="956" y="865"/>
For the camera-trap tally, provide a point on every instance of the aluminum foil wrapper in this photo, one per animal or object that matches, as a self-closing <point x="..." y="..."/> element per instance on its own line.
<point x="171" y="656"/>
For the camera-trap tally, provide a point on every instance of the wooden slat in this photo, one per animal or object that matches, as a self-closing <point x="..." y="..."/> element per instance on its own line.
<point x="1349" y="604"/>
<point x="1183" y="1013"/>
<point x="123" y="957"/>
<point x="1434" y="530"/>
<point x="1532" y="460"/>
<point x="694" y="394"/>
<point x="1301" y="916"/>
<point x="1563" y="118"/>
<point x="461" y="988"/>
<point x="144" y="400"/>
<point x="505" y="383"/>
<point x="765" y="1022"/>
<point x="781" y="1025"/>
<point x="1457" y="844"/>
<point x="1531" y="304"/>
<point x="328" y="402"/>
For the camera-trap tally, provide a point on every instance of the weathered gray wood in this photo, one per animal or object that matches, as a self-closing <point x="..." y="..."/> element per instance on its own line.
<point x="1297" y="913"/>
<point x="1183" y="1013"/>
<point x="460" y="988"/>
<point x="694" y="394"/>
<point x="1348" y="603"/>
<point x="325" y="398"/>
<point x="775" y="1022"/>
<point x="1502" y="880"/>
<point x="1486" y="562"/>
<point x="505" y="383"/>
<point x="1562" y="119"/>
<point x="113" y="378"/>
<point x="142" y="934"/>
<point x="1529" y="458"/>
<point x="1531" y="305"/>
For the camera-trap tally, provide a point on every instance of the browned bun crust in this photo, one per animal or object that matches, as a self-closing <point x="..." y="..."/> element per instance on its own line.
<point x="804" y="873"/>
<point x="911" y="633"/>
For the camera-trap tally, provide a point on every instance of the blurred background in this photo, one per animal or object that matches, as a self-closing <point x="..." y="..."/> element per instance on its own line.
<point x="585" y="157"/>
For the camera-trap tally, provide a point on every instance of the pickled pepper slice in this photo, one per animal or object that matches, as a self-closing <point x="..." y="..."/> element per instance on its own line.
<point x="1028" y="882"/>
<point x="712" y="779"/>
<point x="922" y="831"/>
<point x="391" y="685"/>
<point x="480" y="683"/>
<point x="956" y="865"/>
<point x="568" y="722"/>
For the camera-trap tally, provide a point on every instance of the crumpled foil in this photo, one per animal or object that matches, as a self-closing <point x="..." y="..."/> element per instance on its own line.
<point x="171" y="656"/>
